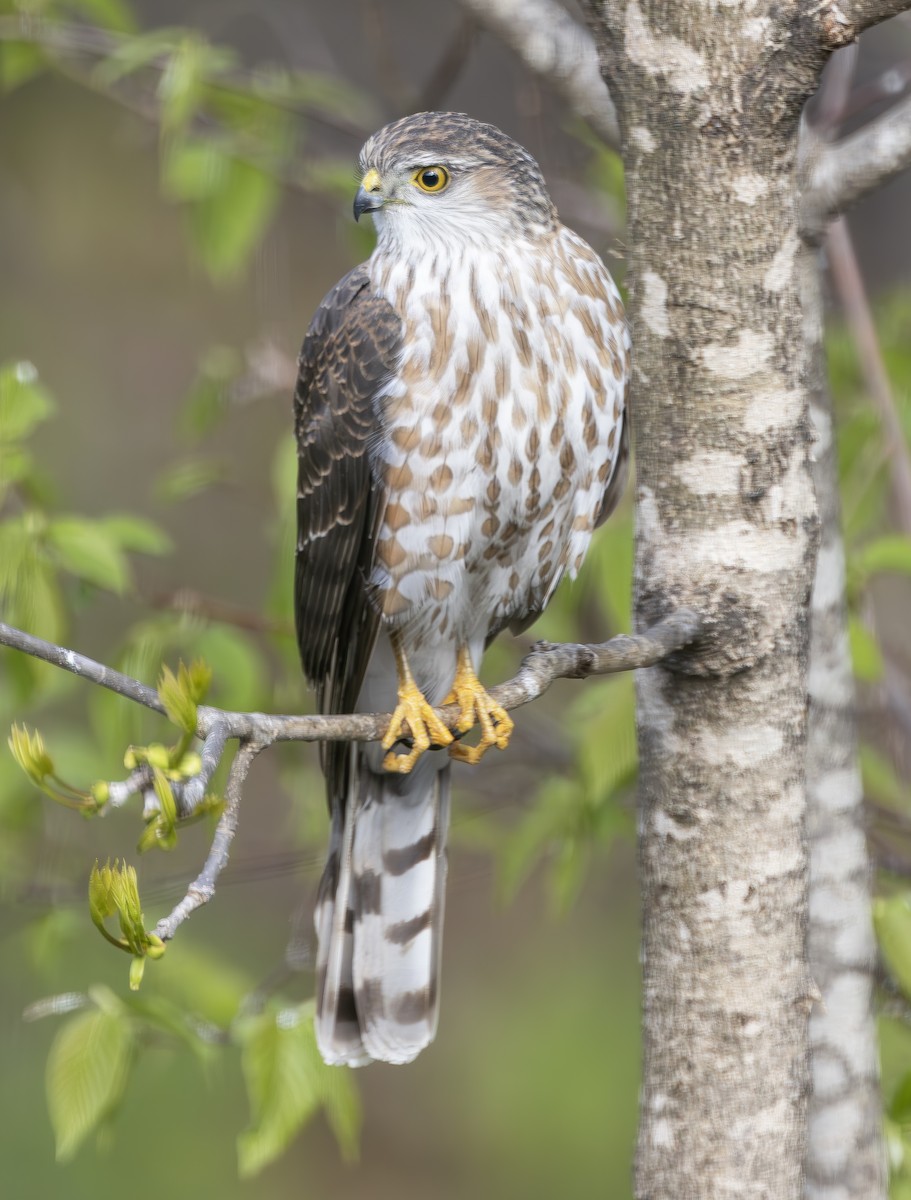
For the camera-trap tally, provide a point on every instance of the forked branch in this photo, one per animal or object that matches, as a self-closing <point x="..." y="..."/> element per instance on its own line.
<point x="255" y="731"/>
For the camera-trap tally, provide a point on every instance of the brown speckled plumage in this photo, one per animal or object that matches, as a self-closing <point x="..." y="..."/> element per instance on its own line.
<point x="461" y="433"/>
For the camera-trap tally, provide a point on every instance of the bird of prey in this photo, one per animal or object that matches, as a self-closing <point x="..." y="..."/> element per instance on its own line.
<point x="460" y="424"/>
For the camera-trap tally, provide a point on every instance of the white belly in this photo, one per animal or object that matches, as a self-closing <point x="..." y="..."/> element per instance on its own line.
<point x="501" y="431"/>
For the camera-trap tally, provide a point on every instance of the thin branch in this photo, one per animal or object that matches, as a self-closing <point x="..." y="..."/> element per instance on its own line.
<point x="839" y="174"/>
<point x="61" y="37"/>
<point x="873" y="93"/>
<point x="196" y="604"/>
<point x="557" y="49"/>
<point x="202" y="889"/>
<point x="193" y="793"/>
<point x="78" y="664"/>
<point x="843" y="21"/>
<point x="451" y="65"/>
<point x="538" y="671"/>
<point x="256" y="731"/>
<point x="852" y="294"/>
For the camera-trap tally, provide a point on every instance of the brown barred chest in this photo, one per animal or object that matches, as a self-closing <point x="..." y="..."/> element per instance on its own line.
<point x="499" y="431"/>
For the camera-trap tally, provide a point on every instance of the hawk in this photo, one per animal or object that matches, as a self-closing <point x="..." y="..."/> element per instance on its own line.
<point x="459" y="415"/>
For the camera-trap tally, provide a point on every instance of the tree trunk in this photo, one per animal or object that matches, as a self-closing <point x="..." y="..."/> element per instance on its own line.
<point x="709" y="99"/>
<point x="845" y="1153"/>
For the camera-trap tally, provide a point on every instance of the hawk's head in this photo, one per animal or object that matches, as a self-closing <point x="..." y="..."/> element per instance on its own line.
<point x="441" y="176"/>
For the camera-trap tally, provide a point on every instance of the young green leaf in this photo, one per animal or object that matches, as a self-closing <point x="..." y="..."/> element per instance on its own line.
<point x="280" y="1076"/>
<point x="113" y="889"/>
<point x="90" y="551"/>
<point x="137" y="534"/>
<point x="30" y="752"/>
<point x="181" y="693"/>
<point x="892" y="920"/>
<point x="865" y="653"/>
<point x="24" y="402"/>
<point x="188" y="478"/>
<point x="19" y="62"/>
<point x="286" y="1082"/>
<point x="230" y="222"/>
<point x="86" y="1074"/>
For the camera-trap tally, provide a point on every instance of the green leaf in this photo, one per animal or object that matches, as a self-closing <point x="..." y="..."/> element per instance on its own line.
<point x="86" y="1074"/>
<point x="114" y="889"/>
<point x="280" y="1071"/>
<point x="179" y="88"/>
<point x="181" y="693"/>
<point x="188" y="478"/>
<point x="193" y="169"/>
<point x="890" y="553"/>
<point x="892" y="920"/>
<point x="134" y="53"/>
<point x="539" y="831"/>
<point x="228" y="224"/>
<point x="286" y="1082"/>
<point x="241" y="682"/>
<point x="19" y="62"/>
<point x="30" y="752"/>
<point x="881" y="780"/>
<point x="865" y="653"/>
<point x="900" y="1105"/>
<point x="607" y="753"/>
<point x="200" y="981"/>
<point x="208" y="399"/>
<point x="88" y="550"/>
<point x="137" y="534"/>
<point x="114" y="15"/>
<point x="24" y="403"/>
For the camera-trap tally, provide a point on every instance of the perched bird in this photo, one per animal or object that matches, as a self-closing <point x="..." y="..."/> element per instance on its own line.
<point x="460" y="425"/>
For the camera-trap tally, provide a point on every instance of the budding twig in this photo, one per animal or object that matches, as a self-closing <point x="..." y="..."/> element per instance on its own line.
<point x="256" y="731"/>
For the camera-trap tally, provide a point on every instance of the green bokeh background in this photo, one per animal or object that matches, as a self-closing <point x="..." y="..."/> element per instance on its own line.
<point x="530" y="1088"/>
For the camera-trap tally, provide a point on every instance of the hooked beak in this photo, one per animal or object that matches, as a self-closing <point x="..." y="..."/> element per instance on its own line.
<point x="369" y="196"/>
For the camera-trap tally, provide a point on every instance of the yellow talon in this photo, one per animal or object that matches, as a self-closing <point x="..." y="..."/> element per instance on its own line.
<point x="476" y="705"/>
<point x="413" y="718"/>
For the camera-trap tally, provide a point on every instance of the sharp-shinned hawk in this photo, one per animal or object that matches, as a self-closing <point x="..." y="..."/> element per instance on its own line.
<point x="460" y="424"/>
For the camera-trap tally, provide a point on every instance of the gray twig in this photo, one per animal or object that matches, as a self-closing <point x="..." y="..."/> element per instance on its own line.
<point x="202" y="889"/>
<point x="538" y="671"/>
<point x="557" y="49"/>
<point x="838" y="174"/>
<point x="193" y="792"/>
<point x="256" y="731"/>
<point x="78" y="664"/>
<point x="849" y="285"/>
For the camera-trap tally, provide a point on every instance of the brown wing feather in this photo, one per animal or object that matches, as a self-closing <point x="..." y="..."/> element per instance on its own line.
<point x="616" y="485"/>
<point x="350" y="351"/>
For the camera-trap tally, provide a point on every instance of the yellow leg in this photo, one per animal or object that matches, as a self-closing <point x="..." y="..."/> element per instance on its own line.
<point x="476" y="705"/>
<point x="413" y="718"/>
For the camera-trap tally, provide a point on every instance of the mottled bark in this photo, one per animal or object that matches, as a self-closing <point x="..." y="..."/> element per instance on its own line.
<point x="845" y="1153"/>
<point x="721" y="88"/>
<point x="709" y="100"/>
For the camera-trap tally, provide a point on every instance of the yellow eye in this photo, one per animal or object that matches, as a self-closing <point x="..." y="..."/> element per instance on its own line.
<point x="431" y="179"/>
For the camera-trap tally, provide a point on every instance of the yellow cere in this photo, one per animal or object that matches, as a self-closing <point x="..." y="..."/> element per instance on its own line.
<point x="371" y="181"/>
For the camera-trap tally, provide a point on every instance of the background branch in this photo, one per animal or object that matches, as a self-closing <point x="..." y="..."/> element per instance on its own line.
<point x="852" y="294"/>
<point x="843" y="21"/>
<point x="839" y="174"/>
<point x="558" y="50"/>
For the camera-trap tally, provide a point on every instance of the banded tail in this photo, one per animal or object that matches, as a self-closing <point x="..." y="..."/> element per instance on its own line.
<point x="379" y="916"/>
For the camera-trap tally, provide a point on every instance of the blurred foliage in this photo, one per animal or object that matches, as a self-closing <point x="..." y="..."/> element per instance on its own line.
<point x="878" y="555"/>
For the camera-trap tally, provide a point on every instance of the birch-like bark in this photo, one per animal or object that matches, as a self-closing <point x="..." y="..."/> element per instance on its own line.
<point x="845" y="1155"/>
<point x="709" y="98"/>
